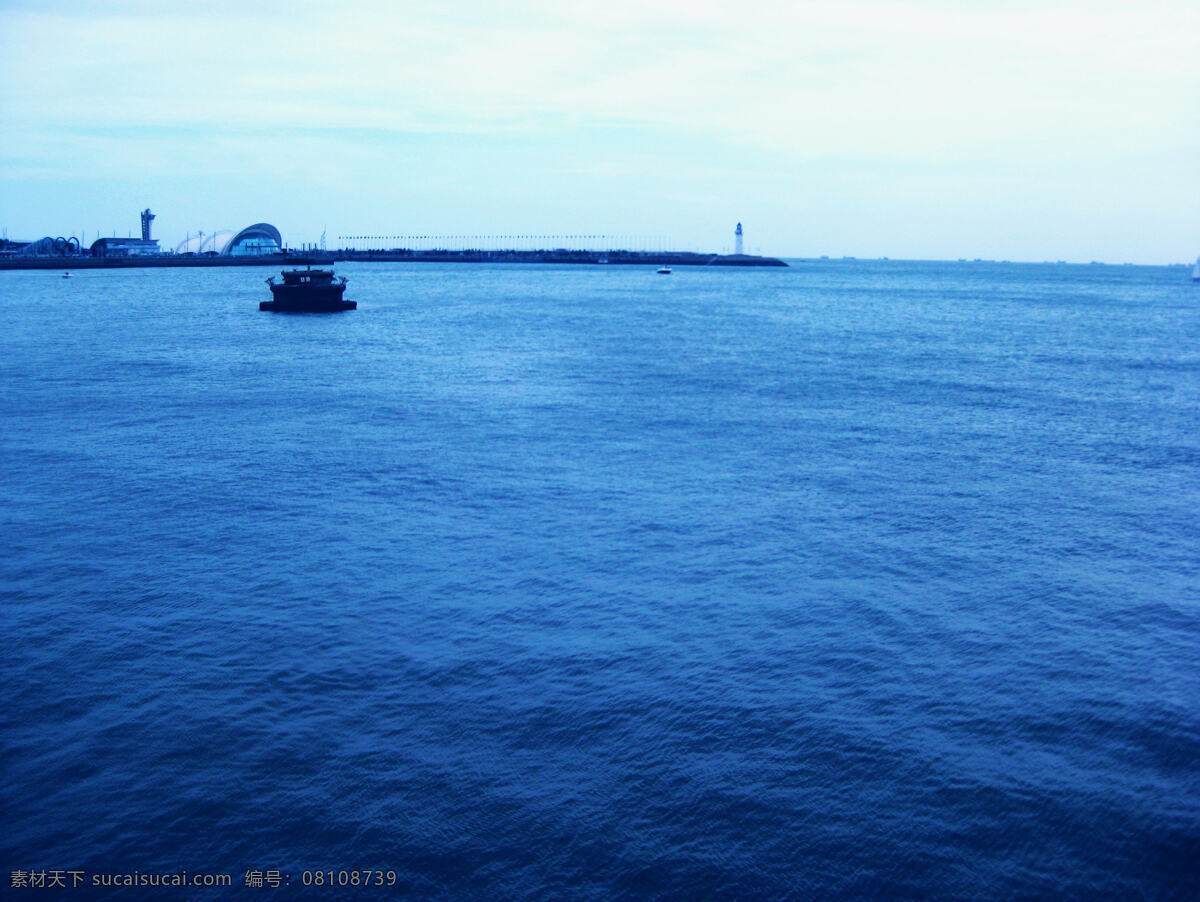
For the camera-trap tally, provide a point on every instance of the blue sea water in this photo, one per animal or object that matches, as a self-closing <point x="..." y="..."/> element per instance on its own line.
<point x="850" y="580"/>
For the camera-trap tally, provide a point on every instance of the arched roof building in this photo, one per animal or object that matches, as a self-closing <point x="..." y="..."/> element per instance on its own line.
<point x="204" y="243"/>
<point x="124" y="247"/>
<point x="260" y="238"/>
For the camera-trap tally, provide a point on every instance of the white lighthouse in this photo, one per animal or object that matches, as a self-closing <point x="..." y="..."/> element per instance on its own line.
<point x="737" y="239"/>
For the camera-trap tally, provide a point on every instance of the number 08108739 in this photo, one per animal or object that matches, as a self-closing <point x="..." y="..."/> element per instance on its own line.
<point x="366" y="877"/>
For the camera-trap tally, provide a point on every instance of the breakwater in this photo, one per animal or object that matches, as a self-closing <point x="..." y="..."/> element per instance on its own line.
<point x="644" y="258"/>
<point x="326" y="258"/>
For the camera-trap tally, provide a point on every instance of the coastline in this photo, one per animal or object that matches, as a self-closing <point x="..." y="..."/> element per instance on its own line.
<point x="327" y="258"/>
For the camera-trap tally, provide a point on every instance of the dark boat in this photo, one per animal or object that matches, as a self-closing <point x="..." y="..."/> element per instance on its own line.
<point x="307" y="291"/>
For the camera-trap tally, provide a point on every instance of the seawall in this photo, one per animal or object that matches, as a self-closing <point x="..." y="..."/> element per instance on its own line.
<point x="326" y="258"/>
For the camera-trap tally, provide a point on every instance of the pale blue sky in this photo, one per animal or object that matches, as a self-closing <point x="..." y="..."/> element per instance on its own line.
<point x="1008" y="130"/>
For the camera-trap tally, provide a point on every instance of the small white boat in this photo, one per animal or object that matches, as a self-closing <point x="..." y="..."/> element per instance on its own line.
<point x="66" y="275"/>
<point x="664" y="270"/>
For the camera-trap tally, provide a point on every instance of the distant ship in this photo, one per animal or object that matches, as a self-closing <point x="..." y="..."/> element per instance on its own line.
<point x="1196" y="271"/>
<point x="307" y="291"/>
<point x="664" y="270"/>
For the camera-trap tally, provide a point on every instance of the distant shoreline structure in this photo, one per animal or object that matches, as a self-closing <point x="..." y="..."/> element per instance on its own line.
<point x="323" y="258"/>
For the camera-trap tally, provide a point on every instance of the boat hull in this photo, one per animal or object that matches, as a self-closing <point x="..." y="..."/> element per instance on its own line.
<point x="307" y="307"/>
<point x="307" y="299"/>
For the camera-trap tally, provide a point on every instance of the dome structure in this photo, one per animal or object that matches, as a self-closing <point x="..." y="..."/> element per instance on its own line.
<point x="260" y="238"/>
<point x="204" y="243"/>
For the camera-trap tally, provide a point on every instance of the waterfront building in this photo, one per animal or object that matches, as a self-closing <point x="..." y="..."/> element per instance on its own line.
<point x="129" y="247"/>
<point x="254" y="240"/>
<point x="260" y="238"/>
<point x="125" y="247"/>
